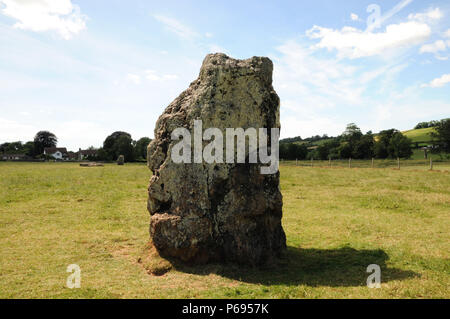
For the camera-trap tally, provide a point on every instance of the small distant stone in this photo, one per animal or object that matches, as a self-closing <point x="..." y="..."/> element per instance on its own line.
<point x="121" y="160"/>
<point x="91" y="164"/>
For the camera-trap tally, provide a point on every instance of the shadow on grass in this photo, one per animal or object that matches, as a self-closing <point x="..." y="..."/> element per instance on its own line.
<point x="343" y="267"/>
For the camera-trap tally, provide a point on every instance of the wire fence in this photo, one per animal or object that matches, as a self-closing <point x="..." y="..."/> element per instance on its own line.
<point x="423" y="164"/>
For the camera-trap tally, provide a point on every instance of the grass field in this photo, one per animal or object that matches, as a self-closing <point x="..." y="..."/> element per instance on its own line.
<point x="420" y="135"/>
<point x="410" y="164"/>
<point x="337" y="222"/>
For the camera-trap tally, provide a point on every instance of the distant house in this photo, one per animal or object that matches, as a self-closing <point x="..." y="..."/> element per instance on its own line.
<point x="14" y="157"/>
<point x="84" y="154"/>
<point x="59" y="153"/>
<point x="72" y="156"/>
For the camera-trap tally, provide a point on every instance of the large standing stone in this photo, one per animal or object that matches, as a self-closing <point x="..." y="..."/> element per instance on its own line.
<point x="217" y="212"/>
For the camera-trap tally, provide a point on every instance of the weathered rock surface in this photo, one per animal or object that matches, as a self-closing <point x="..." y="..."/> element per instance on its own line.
<point x="217" y="212"/>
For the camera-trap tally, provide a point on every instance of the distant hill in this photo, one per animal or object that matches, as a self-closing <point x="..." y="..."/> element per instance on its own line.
<point x="422" y="135"/>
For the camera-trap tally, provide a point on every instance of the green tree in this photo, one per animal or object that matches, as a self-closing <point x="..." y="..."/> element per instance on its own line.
<point x="443" y="134"/>
<point x="102" y="155"/>
<point x="44" y="139"/>
<point x="364" y="147"/>
<point x="328" y="149"/>
<point x="3" y="147"/>
<point x="125" y="147"/>
<point x="140" y="148"/>
<point x="426" y="124"/>
<point x="113" y="147"/>
<point x="293" y="151"/>
<point x="11" y="148"/>
<point x="351" y="137"/>
<point x="345" y="150"/>
<point x="381" y="147"/>
<point x="28" y="148"/>
<point x="352" y="133"/>
<point x="283" y="151"/>
<point x="400" y="146"/>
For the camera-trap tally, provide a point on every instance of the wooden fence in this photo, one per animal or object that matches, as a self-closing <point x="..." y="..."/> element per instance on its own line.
<point x="427" y="164"/>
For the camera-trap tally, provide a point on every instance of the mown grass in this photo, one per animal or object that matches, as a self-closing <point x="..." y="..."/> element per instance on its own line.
<point x="439" y="163"/>
<point x="337" y="222"/>
<point x="420" y="135"/>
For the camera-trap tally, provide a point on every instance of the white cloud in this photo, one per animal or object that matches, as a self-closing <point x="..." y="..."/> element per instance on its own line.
<point x="354" y="17"/>
<point x="79" y="134"/>
<point x="46" y="15"/>
<point x="153" y="76"/>
<point x="299" y="66"/>
<point x="438" y="82"/>
<point x="433" y="47"/>
<point x="321" y="95"/>
<point x="209" y="35"/>
<point x="175" y="26"/>
<point x="136" y="79"/>
<point x="11" y="130"/>
<point x="214" y="48"/>
<point x="404" y="113"/>
<point x="430" y="15"/>
<point x="170" y="76"/>
<point x="447" y="33"/>
<point x="354" y="43"/>
<point x="309" y="126"/>
<point x="310" y="87"/>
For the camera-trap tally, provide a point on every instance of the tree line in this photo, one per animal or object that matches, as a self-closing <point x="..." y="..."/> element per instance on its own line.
<point x="426" y="124"/>
<point x="352" y="143"/>
<point x="121" y="143"/>
<point x="118" y="143"/>
<point x="34" y="149"/>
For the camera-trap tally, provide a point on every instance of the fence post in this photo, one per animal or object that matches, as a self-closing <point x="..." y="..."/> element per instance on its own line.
<point x="372" y="162"/>
<point x="431" y="163"/>
<point x="296" y="162"/>
<point x="398" y="162"/>
<point x="329" y="161"/>
<point x="350" y="162"/>
<point x="312" y="162"/>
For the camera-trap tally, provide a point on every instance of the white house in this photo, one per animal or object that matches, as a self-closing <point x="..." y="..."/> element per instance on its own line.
<point x="58" y="153"/>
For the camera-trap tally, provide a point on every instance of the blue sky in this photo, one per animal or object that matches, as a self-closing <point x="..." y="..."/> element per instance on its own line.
<point x="83" y="69"/>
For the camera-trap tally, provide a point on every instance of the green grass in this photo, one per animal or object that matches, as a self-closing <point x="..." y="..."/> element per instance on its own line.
<point x="417" y="162"/>
<point x="420" y="135"/>
<point x="418" y="154"/>
<point x="337" y="222"/>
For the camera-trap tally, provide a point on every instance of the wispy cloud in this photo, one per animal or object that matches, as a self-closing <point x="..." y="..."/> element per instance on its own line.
<point x="432" y="14"/>
<point x="46" y="15"/>
<point x="438" y="82"/>
<point x="136" y="79"/>
<point x="175" y="26"/>
<point x="11" y="130"/>
<point x="447" y="33"/>
<point x="312" y="85"/>
<point x="354" y="43"/>
<point x="434" y="47"/>
<point x="152" y="75"/>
